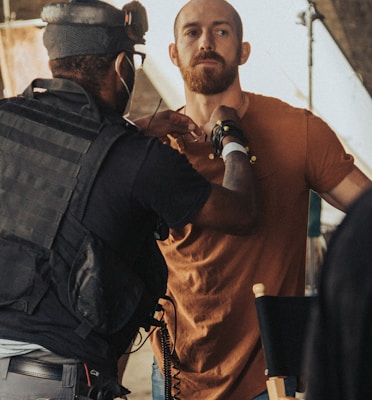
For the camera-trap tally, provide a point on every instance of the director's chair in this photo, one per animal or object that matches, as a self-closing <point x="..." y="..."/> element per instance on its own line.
<point x="282" y="322"/>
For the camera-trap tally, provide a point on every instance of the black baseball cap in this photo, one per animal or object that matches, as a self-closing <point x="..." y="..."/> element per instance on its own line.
<point x="85" y="27"/>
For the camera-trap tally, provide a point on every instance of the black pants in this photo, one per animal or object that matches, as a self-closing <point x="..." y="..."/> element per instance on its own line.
<point x="26" y="379"/>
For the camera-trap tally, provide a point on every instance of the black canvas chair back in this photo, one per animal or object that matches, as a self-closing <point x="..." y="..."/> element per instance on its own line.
<point x="283" y="327"/>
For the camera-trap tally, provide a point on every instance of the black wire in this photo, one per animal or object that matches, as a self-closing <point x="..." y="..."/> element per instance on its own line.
<point x="170" y="358"/>
<point x="173" y="357"/>
<point x="140" y="345"/>
<point x="165" y="297"/>
<point x="165" y="345"/>
<point x="153" y="116"/>
<point x="176" y="378"/>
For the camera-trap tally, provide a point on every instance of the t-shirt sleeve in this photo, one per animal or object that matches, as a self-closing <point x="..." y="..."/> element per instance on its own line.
<point x="327" y="162"/>
<point x="167" y="184"/>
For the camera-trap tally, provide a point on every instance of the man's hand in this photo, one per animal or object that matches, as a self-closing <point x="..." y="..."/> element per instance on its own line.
<point x="222" y="113"/>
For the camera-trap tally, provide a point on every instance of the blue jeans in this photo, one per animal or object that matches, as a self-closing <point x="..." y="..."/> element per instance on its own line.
<point x="158" y="385"/>
<point x="157" y="380"/>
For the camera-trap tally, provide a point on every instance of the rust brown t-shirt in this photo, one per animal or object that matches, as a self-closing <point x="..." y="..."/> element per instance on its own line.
<point x="211" y="274"/>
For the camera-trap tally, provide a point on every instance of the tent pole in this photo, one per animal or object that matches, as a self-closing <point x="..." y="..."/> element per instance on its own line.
<point x="307" y="18"/>
<point x="6" y="8"/>
<point x="7" y="83"/>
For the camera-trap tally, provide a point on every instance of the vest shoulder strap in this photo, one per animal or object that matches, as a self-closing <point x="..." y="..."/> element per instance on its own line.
<point x="51" y="158"/>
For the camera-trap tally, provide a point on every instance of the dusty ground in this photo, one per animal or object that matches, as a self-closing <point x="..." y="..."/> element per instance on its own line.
<point x="137" y="376"/>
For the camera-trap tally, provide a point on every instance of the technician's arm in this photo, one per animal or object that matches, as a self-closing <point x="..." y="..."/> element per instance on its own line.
<point x="168" y="121"/>
<point x="232" y="207"/>
<point x="342" y="195"/>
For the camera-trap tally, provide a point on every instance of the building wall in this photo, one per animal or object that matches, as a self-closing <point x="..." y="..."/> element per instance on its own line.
<point x="22" y="58"/>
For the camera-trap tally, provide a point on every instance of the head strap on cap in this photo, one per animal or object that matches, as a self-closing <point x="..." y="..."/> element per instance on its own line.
<point x="85" y="13"/>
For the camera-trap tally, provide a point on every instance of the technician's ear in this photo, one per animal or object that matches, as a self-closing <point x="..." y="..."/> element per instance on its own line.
<point x="246" y="51"/>
<point x="173" y="53"/>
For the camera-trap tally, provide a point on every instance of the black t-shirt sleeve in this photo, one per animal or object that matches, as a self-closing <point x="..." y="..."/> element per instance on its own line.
<point x="167" y="183"/>
<point x="139" y="178"/>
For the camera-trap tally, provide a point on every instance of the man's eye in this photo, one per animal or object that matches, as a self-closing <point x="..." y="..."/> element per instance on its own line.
<point x="222" y="32"/>
<point x="191" y="33"/>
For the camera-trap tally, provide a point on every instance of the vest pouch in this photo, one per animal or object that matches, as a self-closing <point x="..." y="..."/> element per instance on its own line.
<point x="85" y="287"/>
<point x="25" y="275"/>
<point x="102" y="294"/>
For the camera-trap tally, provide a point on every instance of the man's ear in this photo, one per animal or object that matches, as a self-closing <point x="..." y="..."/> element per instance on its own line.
<point x="246" y="51"/>
<point x="173" y="53"/>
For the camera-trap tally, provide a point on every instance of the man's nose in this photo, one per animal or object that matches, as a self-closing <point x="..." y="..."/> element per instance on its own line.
<point x="206" y="41"/>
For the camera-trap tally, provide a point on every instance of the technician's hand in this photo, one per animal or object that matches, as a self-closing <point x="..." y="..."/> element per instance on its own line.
<point x="169" y="122"/>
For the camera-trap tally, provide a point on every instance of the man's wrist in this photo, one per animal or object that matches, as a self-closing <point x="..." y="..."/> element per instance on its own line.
<point x="232" y="146"/>
<point x="223" y="129"/>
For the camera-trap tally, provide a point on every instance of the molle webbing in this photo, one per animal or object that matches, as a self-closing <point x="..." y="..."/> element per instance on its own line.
<point x="40" y="163"/>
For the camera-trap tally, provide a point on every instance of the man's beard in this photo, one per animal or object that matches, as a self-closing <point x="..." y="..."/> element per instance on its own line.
<point x="208" y="80"/>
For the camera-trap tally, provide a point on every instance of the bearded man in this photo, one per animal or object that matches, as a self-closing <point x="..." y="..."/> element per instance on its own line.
<point x="215" y="328"/>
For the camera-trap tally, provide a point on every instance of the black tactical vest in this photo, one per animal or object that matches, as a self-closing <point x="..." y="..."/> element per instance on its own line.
<point x="49" y="159"/>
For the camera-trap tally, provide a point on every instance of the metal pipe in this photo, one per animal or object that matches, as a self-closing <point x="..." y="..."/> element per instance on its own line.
<point x="9" y="23"/>
<point x="307" y="19"/>
<point x="6" y="7"/>
<point x="310" y="58"/>
<point x="19" y="24"/>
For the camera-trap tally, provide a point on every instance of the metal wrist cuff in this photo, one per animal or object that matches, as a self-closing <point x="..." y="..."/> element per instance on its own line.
<point x="221" y="130"/>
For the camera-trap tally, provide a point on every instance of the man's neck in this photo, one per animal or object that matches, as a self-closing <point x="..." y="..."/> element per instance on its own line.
<point x="200" y="107"/>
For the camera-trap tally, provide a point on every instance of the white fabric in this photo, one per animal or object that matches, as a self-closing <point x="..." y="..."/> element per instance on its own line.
<point x="11" y="348"/>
